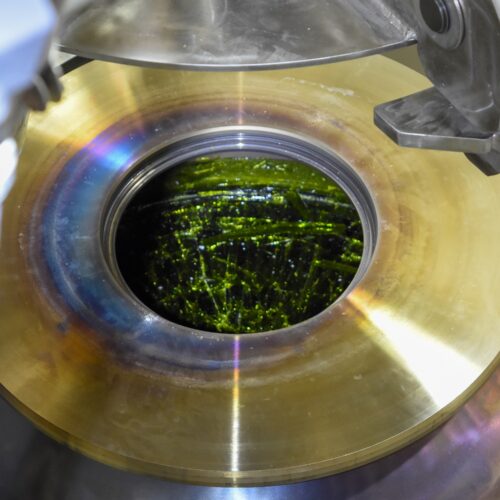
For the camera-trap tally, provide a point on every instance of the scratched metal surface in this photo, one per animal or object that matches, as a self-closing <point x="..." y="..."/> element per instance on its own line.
<point x="388" y="363"/>
<point x="235" y="34"/>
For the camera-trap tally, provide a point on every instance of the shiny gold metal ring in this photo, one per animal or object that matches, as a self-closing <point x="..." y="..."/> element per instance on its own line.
<point x="388" y="362"/>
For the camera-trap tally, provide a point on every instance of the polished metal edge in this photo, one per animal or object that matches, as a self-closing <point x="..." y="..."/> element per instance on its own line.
<point x="240" y="142"/>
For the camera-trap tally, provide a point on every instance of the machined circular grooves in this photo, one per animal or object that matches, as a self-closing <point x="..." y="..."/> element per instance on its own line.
<point x="108" y="303"/>
<point x="373" y="372"/>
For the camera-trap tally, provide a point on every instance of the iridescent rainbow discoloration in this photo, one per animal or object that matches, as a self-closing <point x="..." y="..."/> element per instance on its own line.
<point x="72" y="219"/>
<point x="88" y="363"/>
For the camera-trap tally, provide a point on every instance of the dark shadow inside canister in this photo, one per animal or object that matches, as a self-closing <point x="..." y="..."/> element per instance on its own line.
<point x="239" y="244"/>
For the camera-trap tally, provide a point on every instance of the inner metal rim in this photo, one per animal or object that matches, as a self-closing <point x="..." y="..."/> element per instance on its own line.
<point x="238" y="142"/>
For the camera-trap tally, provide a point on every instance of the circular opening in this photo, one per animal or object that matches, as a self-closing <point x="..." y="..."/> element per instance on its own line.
<point x="435" y="14"/>
<point x="236" y="241"/>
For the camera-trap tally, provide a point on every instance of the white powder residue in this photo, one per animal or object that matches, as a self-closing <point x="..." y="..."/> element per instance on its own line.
<point x="333" y="90"/>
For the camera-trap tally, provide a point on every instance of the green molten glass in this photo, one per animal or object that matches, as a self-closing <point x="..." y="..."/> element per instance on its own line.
<point x="239" y="245"/>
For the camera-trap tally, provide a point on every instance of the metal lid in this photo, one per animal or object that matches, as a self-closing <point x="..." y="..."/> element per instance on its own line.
<point x="234" y="34"/>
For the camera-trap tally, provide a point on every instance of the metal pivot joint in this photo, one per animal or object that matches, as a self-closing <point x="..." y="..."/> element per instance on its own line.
<point x="459" y="43"/>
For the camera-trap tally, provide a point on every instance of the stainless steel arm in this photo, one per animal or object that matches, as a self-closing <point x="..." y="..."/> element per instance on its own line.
<point x="459" y="47"/>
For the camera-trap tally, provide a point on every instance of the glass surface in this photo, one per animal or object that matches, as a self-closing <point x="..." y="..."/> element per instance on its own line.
<point x="239" y="245"/>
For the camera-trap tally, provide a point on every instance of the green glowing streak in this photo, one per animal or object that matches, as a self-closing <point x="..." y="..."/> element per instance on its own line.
<point x="239" y="245"/>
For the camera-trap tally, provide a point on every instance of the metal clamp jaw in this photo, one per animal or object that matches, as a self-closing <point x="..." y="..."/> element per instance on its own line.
<point x="459" y="46"/>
